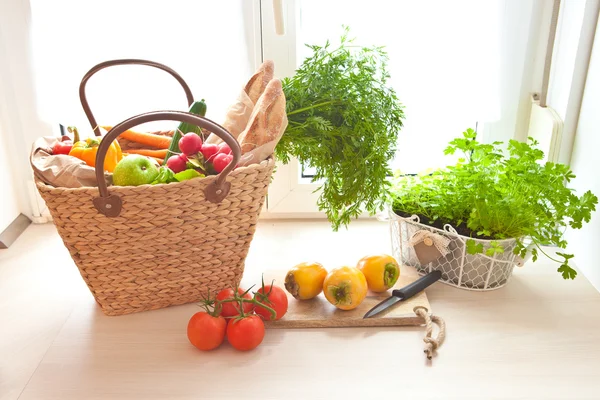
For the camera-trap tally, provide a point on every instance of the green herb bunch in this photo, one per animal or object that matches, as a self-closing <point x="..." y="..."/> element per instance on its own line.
<point x="499" y="194"/>
<point x="344" y="121"/>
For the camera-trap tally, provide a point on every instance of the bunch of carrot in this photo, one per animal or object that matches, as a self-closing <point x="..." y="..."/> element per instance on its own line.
<point x="158" y="144"/>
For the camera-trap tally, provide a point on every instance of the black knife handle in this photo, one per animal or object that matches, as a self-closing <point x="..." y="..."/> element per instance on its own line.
<point x="420" y="284"/>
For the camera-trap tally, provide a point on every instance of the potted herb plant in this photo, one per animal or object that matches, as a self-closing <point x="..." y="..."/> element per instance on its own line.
<point x="487" y="212"/>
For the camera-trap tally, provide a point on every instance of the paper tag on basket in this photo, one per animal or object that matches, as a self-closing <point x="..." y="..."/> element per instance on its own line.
<point x="426" y="254"/>
<point x="429" y="246"/>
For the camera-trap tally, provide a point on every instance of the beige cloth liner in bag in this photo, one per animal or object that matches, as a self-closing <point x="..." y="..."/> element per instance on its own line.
<point x="61" y="170"/>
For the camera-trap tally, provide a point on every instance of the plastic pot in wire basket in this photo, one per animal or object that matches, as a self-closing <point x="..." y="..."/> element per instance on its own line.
<point x="152" y="246"/>
<point x="460" y="269"/>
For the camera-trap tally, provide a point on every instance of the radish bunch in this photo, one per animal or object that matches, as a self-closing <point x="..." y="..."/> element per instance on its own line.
<point x="200" y="155"/>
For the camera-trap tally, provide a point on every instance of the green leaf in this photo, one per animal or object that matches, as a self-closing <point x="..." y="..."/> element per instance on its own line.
<point x="567" y="272"/>
<point x="474" y="247"/>
<point x="165" y="175"/>
<point x="565" y="256"/>
<point x="187" y="175"/>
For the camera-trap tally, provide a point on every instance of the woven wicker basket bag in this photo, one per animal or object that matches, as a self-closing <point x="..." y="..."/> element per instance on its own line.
<point x="152" y="246"/>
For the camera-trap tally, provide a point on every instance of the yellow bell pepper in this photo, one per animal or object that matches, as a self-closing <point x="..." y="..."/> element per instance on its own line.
<point x="86" y="150"/>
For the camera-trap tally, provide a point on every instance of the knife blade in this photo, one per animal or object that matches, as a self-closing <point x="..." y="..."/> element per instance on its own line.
<point x="405" y="293"/>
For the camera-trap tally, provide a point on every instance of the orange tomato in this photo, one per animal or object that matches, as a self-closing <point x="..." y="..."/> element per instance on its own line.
<point x="345" y="287"/>
<point x="382" y="271"/>
<point x="305" y="280"/>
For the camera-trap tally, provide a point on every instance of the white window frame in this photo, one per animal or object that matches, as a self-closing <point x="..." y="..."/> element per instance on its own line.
<point x="288" y="197"/>
<point x="292" y="197"/>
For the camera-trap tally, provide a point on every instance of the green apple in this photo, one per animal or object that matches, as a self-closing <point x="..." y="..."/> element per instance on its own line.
<point x="135" y="170"/>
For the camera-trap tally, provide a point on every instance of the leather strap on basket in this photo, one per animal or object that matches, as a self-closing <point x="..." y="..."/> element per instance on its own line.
<point x="110" y="204"/>
<point x="88" y="75"/>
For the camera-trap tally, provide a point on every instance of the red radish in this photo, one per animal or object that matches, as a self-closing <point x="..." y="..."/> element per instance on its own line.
<point x="221" y="161"/>
<point x="209" y="151"/>
<point x="177" y="163"/>
<point x="224" y="148"/>
<point x="190" y="144"/>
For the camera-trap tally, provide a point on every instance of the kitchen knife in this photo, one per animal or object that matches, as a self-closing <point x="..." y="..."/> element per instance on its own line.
<point x="404" y="293"/>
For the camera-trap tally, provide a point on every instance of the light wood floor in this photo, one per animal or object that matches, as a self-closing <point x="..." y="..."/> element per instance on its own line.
<point x="538" y="338"/>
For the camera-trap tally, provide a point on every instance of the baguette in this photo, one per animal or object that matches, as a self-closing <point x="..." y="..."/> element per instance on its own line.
<point x="258" y="83"/>
<point x="239" y="113"/>
<point x="268" y="119"/>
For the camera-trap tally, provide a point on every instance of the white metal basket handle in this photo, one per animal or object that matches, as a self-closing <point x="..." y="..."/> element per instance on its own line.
<point x="387" y="215"/>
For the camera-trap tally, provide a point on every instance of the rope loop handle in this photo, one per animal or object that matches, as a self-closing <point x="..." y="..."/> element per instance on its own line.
<point x="431" y="344"/>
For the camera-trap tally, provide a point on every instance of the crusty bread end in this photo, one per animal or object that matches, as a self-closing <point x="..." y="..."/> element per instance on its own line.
<point x="267" y="119"/>
<point x="258" y="83"/>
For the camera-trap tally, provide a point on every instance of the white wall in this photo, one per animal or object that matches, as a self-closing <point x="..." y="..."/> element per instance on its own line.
<point x="586" y="165"/>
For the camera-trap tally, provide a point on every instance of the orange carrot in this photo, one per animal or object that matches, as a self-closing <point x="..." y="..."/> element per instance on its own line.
<point x="150" y="153"/>
<point x="159" y="160"/>
<point x="148" y="139"/>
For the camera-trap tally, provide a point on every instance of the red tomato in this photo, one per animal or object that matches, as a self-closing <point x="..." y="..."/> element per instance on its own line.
<point x="205" y="331"/>
<point x="277" y="300"/>
<point x="232" y="309"/>
<point x="246" y="333"/>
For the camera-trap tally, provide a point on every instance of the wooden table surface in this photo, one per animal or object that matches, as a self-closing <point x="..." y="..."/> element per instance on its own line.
<point x="537" y="338"/>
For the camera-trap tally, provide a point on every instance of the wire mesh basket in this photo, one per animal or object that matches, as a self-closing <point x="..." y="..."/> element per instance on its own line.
<point x="460" y="269"/>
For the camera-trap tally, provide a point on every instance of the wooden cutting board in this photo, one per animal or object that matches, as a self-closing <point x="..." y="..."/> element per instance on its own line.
<point x="319" y="313"/>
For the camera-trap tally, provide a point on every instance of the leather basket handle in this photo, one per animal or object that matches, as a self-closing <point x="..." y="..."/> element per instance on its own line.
<point x="130" y="61"/>
<point x="111" y="204"/>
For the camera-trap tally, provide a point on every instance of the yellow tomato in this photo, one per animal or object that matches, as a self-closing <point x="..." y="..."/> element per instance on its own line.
<point x="382" y="271"/>
<point x="305" y="280"/>
<point x="345" y="287"/>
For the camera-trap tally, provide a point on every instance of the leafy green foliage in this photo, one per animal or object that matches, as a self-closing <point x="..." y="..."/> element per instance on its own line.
<point x="474" y="247"/>
<point x="344" y="121"/>
<point x="497" y="194"/>
<point x="495" y="248"/>
<point x="165" y="175"/>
